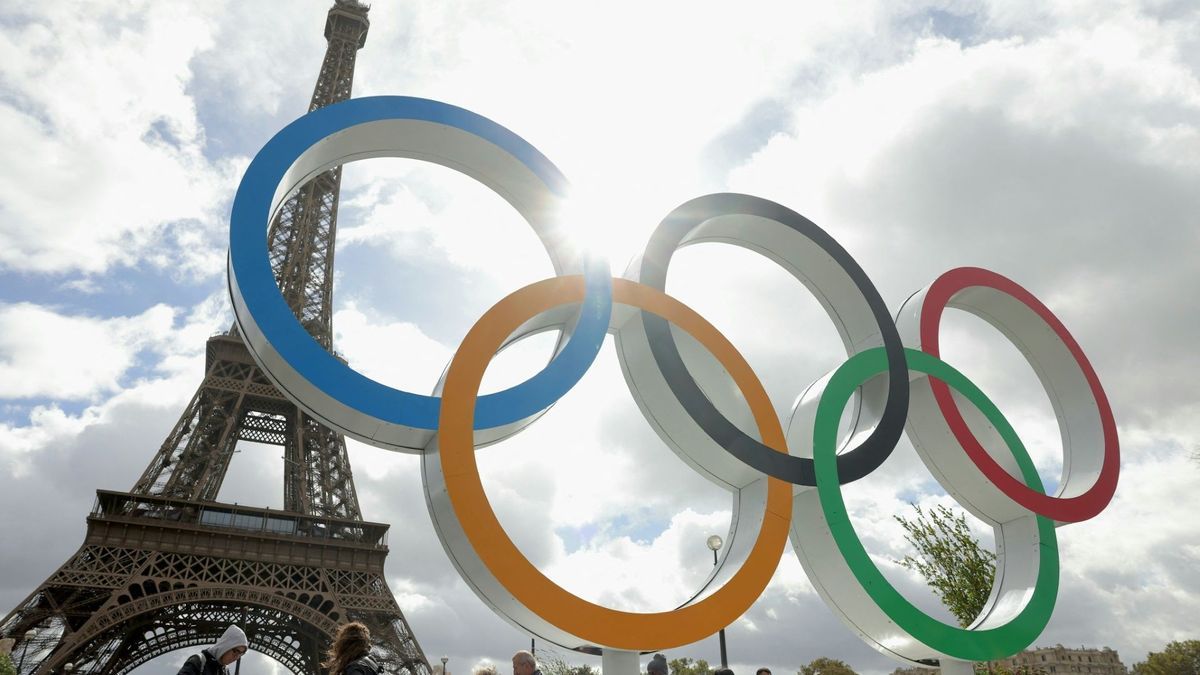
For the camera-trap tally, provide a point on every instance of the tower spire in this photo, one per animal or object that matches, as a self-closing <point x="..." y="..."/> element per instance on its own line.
<point x="301" y="238"/>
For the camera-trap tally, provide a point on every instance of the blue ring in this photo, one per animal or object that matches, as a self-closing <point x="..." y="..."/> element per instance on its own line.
<point x="250" y="270"/>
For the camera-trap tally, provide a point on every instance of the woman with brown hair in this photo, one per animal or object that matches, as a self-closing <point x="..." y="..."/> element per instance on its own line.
<point x="349" y="653"/>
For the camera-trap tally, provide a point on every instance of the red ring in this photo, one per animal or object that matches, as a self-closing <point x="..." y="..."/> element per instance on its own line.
<point x="1061" y="509"/>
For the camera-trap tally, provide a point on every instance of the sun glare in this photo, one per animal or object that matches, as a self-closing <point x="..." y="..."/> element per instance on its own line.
<point x="595" y="226"/>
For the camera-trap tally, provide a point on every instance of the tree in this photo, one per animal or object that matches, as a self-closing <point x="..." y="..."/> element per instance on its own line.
<point x="687" y="666"/>
<point x="6" y="665"/>
<point x="1178" y="658"/>
<point x="826" y="666"/>
<point x="955" y="566"/>
<point x="551" y="662"/>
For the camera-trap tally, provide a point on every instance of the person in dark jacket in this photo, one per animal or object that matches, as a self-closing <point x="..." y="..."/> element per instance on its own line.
<point x="215" y="659"/>
<point x="350" y="652"/>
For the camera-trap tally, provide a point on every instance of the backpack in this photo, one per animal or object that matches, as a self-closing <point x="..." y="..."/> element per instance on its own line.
<point x="363" y="665"/>
<point x="198" y="664"/>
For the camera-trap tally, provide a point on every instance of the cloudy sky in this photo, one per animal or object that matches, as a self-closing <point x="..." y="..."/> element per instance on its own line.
<point x="1055" y="143"/>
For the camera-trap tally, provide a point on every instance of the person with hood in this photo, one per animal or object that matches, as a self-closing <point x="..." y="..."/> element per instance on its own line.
<point x="350" y="652"/>
<point x="215" y="659"/>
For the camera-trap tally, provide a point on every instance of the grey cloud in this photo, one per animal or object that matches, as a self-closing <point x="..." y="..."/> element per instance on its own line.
<point x="59" y="488"/>
<point x="1070" y="212"/>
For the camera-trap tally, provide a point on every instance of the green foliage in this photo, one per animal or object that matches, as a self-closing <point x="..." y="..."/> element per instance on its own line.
<point x="551" y="662"/>
<point x="955" y="566"/>
<point x="1177" y="658"/>
<point x="6" y="665"/>
<point x="826" y="666"/>
<point x="687" y="666"/>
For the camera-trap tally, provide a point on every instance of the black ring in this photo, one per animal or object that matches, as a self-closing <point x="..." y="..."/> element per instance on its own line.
<point x="666" y="239"/>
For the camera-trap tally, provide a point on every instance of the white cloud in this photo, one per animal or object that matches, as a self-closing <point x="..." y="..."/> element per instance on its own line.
<point x="1050" y="84"/>
<point x="49" y="428"/>
<point x="622" y="97"/>
<point x="46" y="354"/>
<point x="396" y="354"/>
<point x="46" y="425"/>
<point x="102" y="150"/>
<point x="418" y="211"/>
<point x="642" y="576"/>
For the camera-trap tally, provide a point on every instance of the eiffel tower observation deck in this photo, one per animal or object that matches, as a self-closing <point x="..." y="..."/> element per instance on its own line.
<point x="165" y="566"/>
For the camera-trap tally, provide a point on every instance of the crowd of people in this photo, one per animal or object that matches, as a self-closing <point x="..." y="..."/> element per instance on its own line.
<point x="524" y="663"/>
<point x="350" y="654"/>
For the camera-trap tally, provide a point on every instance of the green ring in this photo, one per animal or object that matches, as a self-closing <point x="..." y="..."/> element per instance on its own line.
<point x="968" y="645"/>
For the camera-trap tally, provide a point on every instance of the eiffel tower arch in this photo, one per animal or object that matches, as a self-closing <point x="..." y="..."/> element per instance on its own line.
<point x="165" y="566"/>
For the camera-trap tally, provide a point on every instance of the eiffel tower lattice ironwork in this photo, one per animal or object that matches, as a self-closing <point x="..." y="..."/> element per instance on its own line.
<point x="165" y="566"/>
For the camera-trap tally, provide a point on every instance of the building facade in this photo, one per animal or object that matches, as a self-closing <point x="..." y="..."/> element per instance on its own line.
<point x="1060" y="660"/>
<point x="1056" y="660"/>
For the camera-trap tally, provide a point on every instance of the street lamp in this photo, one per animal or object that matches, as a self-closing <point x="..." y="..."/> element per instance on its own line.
<point x="69" y="668"/>
<point x="29" y="635"/>
<point x="444" y="660"/>
<point x="714" y="544"/>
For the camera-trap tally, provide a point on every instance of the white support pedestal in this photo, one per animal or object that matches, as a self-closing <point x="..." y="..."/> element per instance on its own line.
<point x="956" y="667"/>
<point x="617" y="662"/>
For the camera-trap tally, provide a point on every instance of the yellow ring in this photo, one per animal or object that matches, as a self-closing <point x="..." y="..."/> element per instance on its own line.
<point x="594" y="623"/>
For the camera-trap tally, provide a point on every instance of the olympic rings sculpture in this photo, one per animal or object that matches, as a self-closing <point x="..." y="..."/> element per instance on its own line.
<point x="679" y="367"/>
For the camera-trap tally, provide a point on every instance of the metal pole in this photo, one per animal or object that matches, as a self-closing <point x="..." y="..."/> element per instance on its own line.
<point x="24" y="651"/>
<point x="724" y="658"/>
<point x="237" y="668"/>
<point x="721" y="633"/>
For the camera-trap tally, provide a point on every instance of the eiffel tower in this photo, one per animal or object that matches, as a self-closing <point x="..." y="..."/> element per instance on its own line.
<point x="165" y="566"/>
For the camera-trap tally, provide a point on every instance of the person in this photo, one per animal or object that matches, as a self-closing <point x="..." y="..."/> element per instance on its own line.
<point x="723" y="671"/>
<point x="215" y="660"/>
<point x="350" y="652"/>
<point x="525" y="664"/>
<point x="763" y="671"/>
<point x="657" y="665"/>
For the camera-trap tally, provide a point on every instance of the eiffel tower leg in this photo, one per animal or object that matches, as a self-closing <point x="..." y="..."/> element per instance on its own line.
<point x="329" y="482"/>
<point x="367" y="599"/>
<point x="191" y="463"/>
<point x="391" y="636"/>
<point x="68" y="601"/>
